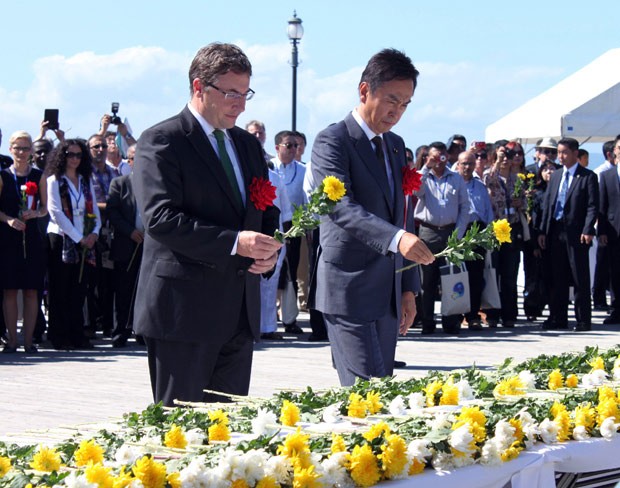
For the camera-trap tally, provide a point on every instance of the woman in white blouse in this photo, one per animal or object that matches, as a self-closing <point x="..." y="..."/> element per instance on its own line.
<point x="73" y="230"/>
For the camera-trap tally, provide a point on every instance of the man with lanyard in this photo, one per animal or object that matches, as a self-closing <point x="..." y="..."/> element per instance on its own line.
<point x="101" y="301"/>
<point x="292" y="175"/>
<point x="443" y="205"/>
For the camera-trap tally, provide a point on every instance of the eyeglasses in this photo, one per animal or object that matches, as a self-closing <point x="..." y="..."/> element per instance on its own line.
<point x="481" y="155"/>
<point x="130" y="159"/>
<point x="289" y="145"/>
<point x="234" y="95"/>
<point x="99" y="146"/>
<point x="550" y="152"/>
<point x="70" y="155"/>
<point x="22" y="148"/>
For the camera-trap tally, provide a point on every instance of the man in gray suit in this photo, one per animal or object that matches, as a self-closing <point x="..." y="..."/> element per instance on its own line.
<point x="362" y="243"/>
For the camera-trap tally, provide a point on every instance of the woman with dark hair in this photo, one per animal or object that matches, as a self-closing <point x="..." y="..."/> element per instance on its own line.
<point x="22" y="256"/>
<point x="421" y="155"/>
<point x="73" y="230"/>
<point x="536" y="266"/>
<point x="500" y="181"/>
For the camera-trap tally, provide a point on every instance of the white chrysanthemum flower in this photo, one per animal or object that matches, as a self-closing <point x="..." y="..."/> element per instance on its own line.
<point x="442" y="461"/>
<point x="525" y="417"/>
<point x="465" y="391"/>
<point x="195" y="473"/>
<point x="265" y="423"/>
<point x="580" y="433"/>
<point x="252" y="466"/>
<point x="462" y="439"/>
<point x="609" y="429"/>
<point x="397" y="406"/>
<point x="440" y="421"/>
<point x="548" y="431"/>
<point x="504" y="433"/>
<point x="616" y="374"/>
<point x="593" y="379"/>
<point x="136" y="483"/>
<point x="491" y="453"/>
<point x="280" y="468"/>
<point x="463" y="460"/>
<point x="78" y="481"/>
<point x="416" y="401"/>
<point x="331" y="414"/>
<point x="195" y="437"/>
<point x="126" y="455"/>
<point x="418" y="449"/>
<point x="528" y="378"/>
<point x="149" y="440"/>
<point x="334" y="471"/>
<point x="530" y="434"/>
<point x="213" y="479"/>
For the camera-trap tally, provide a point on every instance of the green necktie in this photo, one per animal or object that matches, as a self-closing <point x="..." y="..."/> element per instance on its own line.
<point x="227" y="165"/>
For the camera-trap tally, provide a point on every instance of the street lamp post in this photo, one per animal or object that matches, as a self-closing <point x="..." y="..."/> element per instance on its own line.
<point x="295" y="33"/>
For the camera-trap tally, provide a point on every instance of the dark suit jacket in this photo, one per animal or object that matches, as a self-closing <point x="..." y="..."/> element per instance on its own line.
<point x="121" y="208"/>
<point x="190" y="287"/>
<point x="355" y="274"/>
<point x="580" y="208"/>
<point x="609" y="217"/>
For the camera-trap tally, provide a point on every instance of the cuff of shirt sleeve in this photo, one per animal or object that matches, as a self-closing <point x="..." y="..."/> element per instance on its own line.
<point x="393" y="247"/>
<point x="234" y="249"/>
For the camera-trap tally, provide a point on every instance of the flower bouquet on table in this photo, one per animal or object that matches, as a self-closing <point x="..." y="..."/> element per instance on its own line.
<point x="90" y="220"/>
<point x="459" y="250"/>
<point x="28" y="202"/>
<point x="322" y="201"/>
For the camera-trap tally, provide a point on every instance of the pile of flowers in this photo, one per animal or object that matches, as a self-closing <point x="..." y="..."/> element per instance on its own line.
<point x="358" y="436"/>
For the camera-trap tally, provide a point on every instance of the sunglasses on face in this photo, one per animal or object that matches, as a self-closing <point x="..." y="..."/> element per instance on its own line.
<point x="289" y="145"/>
<point x="550" y="152"/>
<point x="77" y="155"/>
<point x="21" y="148"/>
<point x="99" y="146"/>
<point x="481" y="155"/>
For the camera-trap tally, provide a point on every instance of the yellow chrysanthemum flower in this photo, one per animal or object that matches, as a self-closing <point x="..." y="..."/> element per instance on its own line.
<point x="585" y="415"/>
<point x="476" y="419"/>
<point x="572" y="381"/>
<point x="100" y="475"/>
<point x="123" y="479"/>
<point x="294" y="444"/>
<point x="306" y="478"/>
<point x="338" y="444"/>
<point x="218" y="416"/>
<point x="268" y="482"/>
<point x="562" y="420"/>
<point x="510" y="386"/>
<point x="358" y="407"/>
<point x="556" y="408"/>
<point x="373" y="400"/>
<point x="363" y="466"/>
<point x="416" y="467"/>
<point x="239" y="483"/>
<point x="46" y="459"/>
<point x="501" y="229"/>
<point x="521" y="176"/>
<point x="530" y="176"/>
<point x="597" y="363"/>
<point x="174" y="480"/>
<point x="511" y="453"/>
<point x="606" y="393"/>
<point x="151" y="473"/>
<point x="88" y="452"/>
<point x="605" y="409"/>
<point x="175" y="438"/>
<point x="431" y="391"/>
<point x="393" y="456"/>
<point x="556" y="380"/>
<point x="375" y="430"/>
<point x="333" y="188"/>
<point x="218" y="432"/>
<point x="5" y="465"/>
<point x="449" y="394"/>
<point x="289" y="415"/>
<point x="518" y="426"/>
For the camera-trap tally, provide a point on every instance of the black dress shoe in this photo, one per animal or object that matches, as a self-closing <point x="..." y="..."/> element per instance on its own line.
<point x="140" y="340"/>
<point x="293" y="329"/>
<point x="612" y="319"/>
<point x="600" y="307"/>
<point x="317" y="338"/>
<point x="427" y="331"/>
<point x="400" y="364"/>
<point x="551" y="325"/>
<point x="119" y="340"/>
<point x="272" y="336"/>
<point x="582" y="327"/>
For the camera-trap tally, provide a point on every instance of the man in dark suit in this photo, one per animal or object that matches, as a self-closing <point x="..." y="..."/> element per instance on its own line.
<point x="609" y="229"/>
<point x="206" y="243"/>
<point x="364" y="301"/>
<point x="570" y="210"/>
<point x="126" y="250"/>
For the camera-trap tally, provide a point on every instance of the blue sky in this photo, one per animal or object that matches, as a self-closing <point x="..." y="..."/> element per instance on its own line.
<point x="478" y="60"/>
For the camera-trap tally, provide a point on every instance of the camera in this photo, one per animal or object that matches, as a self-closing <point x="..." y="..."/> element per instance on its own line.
<point x="510" y="153"/>
<point x="443" y="158"/>
<point x="115" y="118"/>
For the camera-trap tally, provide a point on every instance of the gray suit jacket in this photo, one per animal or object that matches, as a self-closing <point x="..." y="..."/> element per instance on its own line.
<point x="191" y="288"/>
<point x="609" y="218"/>
<point x="355" y="272"/>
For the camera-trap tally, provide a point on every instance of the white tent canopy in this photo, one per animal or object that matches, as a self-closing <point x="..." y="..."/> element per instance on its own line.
<point x="585" y="106"/>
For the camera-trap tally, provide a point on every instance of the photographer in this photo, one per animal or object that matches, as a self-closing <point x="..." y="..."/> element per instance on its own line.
<point x="114" y="119"/>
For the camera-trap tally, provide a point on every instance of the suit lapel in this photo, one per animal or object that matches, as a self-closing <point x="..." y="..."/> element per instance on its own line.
<point x="575" y="181"/>
<point x="369" y="158"/>
<point x="199" y="140"/>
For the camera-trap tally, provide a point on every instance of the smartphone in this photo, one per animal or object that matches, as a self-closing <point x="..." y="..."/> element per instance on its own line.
<point x="51" y="117"/>
<point x="479" y="145"/>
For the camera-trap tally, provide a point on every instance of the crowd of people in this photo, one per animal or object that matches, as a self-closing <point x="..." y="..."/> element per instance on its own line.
<point x="77" y="238"/>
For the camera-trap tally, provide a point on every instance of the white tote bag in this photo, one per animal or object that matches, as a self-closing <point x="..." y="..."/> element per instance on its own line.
<point x="490" y="293"/>
<point x="454" y="290"/>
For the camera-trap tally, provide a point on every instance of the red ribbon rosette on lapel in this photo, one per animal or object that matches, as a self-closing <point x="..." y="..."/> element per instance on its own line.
<point x="262" y="193"/>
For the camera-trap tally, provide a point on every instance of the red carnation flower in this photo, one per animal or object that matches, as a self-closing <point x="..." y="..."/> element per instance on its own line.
<point x="88" y="206"/>
<point x="412" y="180"/>
<point x="262" y="193"/>
<point x="31" y="188"/>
